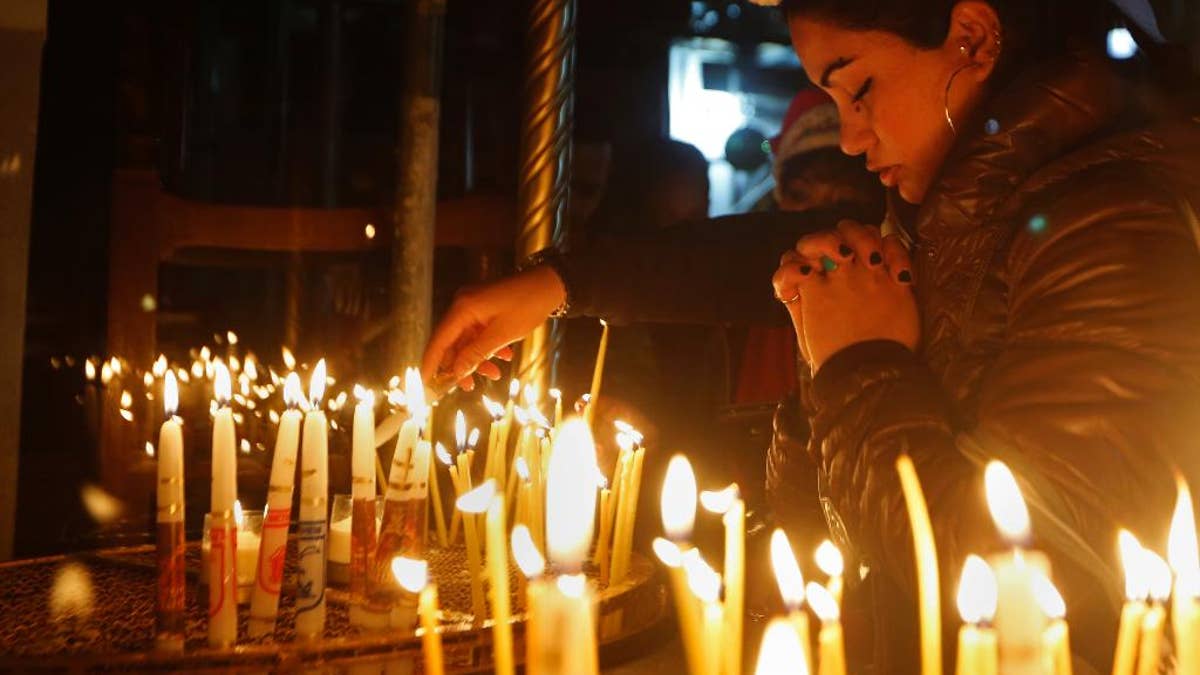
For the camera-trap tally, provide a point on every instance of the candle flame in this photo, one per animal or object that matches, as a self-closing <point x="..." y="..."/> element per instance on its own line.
<point x="316" y="384"/>
<point x="239" y="516"/>
<point x="829" y="559"/>
<point x="205" y="354"/>
<point x="521" y="416"/>
<point x="473" y="438"/>
<point x="531" y="395"/>
<point x="1048" y="597"/>
<point x="364" y="395"/>
<point x="702" y="579"/>
<point x="977" y="591"/>
<point x="668" y="552"/>
<point x="781" y="650"/>
<point x="222" y="386"/>
<point x="787" y="570"/>
<point x="147" y="380"/>
<point x="1136" y="583"/>
<point x="149" y="449"/>
<point x="231" y="337"/>
<point x="570" y="495"/>
<point x="522" y="468"/>
<point x="412" y="575"/>
<point x="244" y="384"/>
<point x="126" y="398"/>
<point x="170" y="395"/>
<point x="525" y="552"/>
<point x="414" y="394"/>
<point x="1158" y="573"/>
<point x="494" y="409"/>
<point x="293" y="393"/>
<point x="89" y="370"/>
<point x="555" y="393"/>
<point x="460" y="430"/>
<point x="625" y="441"/>
<point x="477" y="500"/>
<point x="571" y="585"/>
<point x="442" y="455"/>
<point x="719" y="501"/>
<point x="250" y="368"/>
<point x="537" y="417"/>
<point x="1005" y="503"/>
<point x="289" y="359"/>
<point x="822" y="602"/>
<point x="1181" y="544"/>
<point x="183" y="375"/>
<point x="678" y="501"/>
<point x="106" y="373"/>
<point x="159" y="368"/>
<point x="514" y="388"/>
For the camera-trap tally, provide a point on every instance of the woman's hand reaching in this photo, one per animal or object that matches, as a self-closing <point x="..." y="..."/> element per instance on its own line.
<point x="484" y="320"/>
<point x="846" y="286"/>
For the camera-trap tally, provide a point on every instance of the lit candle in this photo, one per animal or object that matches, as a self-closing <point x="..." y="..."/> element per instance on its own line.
<point x="362" y="493"/>
<point x="473" y="502"/>
<point x="1136" y="591"/>
<point x="435" y="496"/>
<point x="558" y="406"/>
<point x="705" y="584"/>
<point x="497" y="561"/>
<point x="728" y="502"/>
<point x="567" y="640"/>
<point x="1020" y="622"/>
<point x="410" y="575"/>
<point x="1185" y="561"/>
<point x="781" y="651"/>
<point x="222" y="587"/>
<point x="264" y="602"/>
<point x="314" y="496"/>
<point x="248" y="546"/>
<point x="413" y="575"/>
<point x="925" y="551"/>
<point x="1158" y="573"/>
<point x="977" y="653"/>
<point x="791" y="588"/>
<point x="610" y="505"/>
<point x="627" y="509"/>
<point x="532" y="565"/>
<point x="597" y="375"/>
<point x="1056" y="650"/>
<point x="678" y="508"/>
<point x="170" y="523"/>
<point x="829" y="560"/>
<point x="830" y="643"/>
<point x="603" y="554"/>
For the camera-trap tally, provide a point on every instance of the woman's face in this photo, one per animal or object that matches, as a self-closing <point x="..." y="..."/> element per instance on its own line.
<point x="891" y="94"/>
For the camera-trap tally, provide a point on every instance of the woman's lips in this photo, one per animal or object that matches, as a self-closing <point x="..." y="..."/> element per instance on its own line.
<point x="887" y="175"/>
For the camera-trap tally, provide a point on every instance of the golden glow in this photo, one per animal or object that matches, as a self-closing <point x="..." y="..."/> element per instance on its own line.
<point x="702" y="579"/>
<point x="525" y="552"/>
<point x="460" y="430"/>
<point x="170" y="394"/>
<point x="369" y="231"/>
<point x="977" y="591"/>
<point x="781" y="651"/>
<point x="787" y="571"/>
<point x="1005" y="503"/>
<point x="571" y="495"/>
<point x="222" y="386"/>
<point x="678" y="501"/>
<point x="821" y="602"/>
<point x="411" y="574"/>
<point x="719" y="501"/>
<point x="1048" y="597"/>
<point x="477" y="500"/>
<point x="293" y="394"/>
<point x="442" y="455"/>
<point x="316" y="384"/>
<point x="829" y="559"/>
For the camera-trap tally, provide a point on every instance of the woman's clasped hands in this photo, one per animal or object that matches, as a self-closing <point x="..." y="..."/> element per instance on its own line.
<point x="846" y="286"/>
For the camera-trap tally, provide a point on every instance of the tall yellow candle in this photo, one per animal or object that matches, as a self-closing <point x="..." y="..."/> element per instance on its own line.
<point x="1137" y="589"/>
<point x="431" y="640"/>
<point x="791" y="589"/>
<point x="831" y="644"/>
<point x="829" y="560"/>
<point x="705" y="584"/>
<point x="1185" y="561"/>
<point x="977" y="649"/>
<point x="1056" y="649"/>
<point x="628" y="515"/>
<point x="1154" y="621"/>
<point x="473" y="502"/>
<point x="678" y="510"/>
<point x="781" y="651"/>
<point x="597" y="375"/>
<point x="929" y="597"/>
<point x="729" y="504"/>
<point x="497" y="557"/>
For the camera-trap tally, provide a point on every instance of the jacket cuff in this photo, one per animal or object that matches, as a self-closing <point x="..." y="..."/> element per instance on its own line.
<point x="857" y="367"/>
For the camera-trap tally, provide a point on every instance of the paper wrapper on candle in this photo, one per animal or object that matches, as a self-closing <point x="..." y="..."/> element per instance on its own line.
<point x="222" y="587"/>
<point x="404" y="514"/>
<point x="264" y="599"/>
<point x="363" y="541"/>
<point x="311" y="532"/>
<point x="170" y="532"/>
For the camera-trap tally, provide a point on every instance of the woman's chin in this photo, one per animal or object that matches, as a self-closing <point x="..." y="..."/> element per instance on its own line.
<point x="911" y="191"/>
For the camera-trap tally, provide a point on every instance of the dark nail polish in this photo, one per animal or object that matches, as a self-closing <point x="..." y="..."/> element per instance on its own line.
<point x="875" y="258"/>
<point x="905" y="277"/>
<point x="845" y="250"/>
<point x="806" y="270"/>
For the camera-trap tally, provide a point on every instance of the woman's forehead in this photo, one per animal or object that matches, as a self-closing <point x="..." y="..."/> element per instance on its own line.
<point x="825" y="48"/>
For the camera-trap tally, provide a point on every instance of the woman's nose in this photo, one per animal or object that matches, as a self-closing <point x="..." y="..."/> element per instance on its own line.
<point x="856" y="136"/>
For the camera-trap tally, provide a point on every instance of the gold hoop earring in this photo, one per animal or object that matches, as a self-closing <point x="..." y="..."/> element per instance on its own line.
<point x="962" y="49"/>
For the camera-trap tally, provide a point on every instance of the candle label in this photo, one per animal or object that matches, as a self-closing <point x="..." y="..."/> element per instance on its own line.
<point x="222" y="582"/>
<point x="362" y="544"/>
<point x="171" y="584"/>
<point x="310" y="579"/>
<point x="273" y="550"/>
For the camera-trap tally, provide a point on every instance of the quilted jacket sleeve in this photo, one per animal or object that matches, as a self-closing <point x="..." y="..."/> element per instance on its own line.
<point x="1089" y="398"/>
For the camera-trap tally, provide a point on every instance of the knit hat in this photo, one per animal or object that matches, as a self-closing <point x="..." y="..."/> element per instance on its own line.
<point x="811" y="123"/>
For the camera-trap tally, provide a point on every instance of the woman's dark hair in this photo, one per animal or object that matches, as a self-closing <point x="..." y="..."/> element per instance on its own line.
<point x="1033" y="30"/>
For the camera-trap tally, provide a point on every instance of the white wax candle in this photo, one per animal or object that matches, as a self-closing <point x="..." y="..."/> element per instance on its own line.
<point x="314" y="495"/>
<point x="264" y="600"/>
<point x="170" y="523"/>
<point x="1019" y="622"/>
<point x="362" y="452"/>
<point x="222" y="588"/>
<point x="247" y="557"/>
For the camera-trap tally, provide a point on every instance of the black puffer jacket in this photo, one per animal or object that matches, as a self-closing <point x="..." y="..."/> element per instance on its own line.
<point x="1059" y="287"/>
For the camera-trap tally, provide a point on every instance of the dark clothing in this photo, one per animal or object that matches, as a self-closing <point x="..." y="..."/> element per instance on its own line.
<point x="1058" y="282"/>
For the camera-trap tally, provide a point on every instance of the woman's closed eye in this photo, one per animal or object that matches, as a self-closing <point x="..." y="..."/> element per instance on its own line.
<point x="862" y="91"/>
